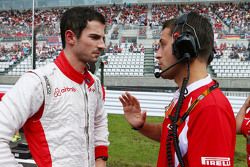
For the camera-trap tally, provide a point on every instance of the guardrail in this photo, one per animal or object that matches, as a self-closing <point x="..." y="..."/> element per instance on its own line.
<point x="154" y="102"/>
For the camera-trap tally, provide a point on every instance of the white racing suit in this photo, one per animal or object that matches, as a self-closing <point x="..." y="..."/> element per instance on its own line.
<point x="61" y="112"/>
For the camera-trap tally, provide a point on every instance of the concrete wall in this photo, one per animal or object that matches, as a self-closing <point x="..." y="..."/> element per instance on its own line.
<point x="152" y="82"/>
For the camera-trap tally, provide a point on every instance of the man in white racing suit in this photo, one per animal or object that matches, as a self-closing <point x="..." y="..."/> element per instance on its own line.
<point x="60" y="106"/>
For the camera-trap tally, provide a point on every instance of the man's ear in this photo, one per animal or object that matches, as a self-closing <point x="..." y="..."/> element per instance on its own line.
<point x="70" y="37"/>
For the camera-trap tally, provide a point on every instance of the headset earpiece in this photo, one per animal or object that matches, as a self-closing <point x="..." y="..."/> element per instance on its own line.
<point x="185" y="41"/>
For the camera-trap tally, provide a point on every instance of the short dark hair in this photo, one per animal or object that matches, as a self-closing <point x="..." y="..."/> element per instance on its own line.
<point x="203" y="29"/>
<point x="76" y="19"/>
<point x="169" y="24"/>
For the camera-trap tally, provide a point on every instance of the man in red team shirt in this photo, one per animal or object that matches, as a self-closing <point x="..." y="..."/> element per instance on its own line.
<point x="243" y="125"/>
<point x="203" y="133"/>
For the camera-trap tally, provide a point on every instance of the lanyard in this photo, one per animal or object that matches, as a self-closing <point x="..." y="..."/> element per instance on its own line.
<point x="193" y="105"/>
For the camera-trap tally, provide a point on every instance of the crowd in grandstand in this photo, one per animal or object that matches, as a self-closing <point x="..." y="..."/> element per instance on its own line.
<point x="161" y="13"/>
<point x="45" y="51"/>
<point x="236" y="51"/>
<point x="146" y="19"/>
<point x="14" y="52"/>
<point x="110" y="13"/>
<point x="235" y="15"/>
<point x="136" y="15"/>
<point x="19" y="23"/>
<point x="132" y="47"/>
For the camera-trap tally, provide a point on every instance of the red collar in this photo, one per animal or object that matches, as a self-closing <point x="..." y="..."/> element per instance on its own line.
<point x="63" y="64"/>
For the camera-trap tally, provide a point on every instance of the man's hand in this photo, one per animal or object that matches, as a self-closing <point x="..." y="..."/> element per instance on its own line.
<point x="100" y="163"/>
<point x="132" y="110"/>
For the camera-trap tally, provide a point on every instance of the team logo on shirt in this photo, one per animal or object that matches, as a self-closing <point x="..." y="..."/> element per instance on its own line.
<point x="215" y="161"/>
<point x="59" y="92"/>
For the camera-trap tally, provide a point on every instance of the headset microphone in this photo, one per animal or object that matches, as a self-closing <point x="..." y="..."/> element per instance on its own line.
<point x="185" y="57"/>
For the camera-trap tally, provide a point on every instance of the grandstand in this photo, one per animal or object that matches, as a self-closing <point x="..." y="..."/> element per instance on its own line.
<point x="131" y="31"/>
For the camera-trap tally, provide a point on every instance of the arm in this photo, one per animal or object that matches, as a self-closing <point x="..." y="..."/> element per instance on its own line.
<point x="152" y="131"/>
<point x="137" y="119"/>
<point x="101" y="130"/>
<point x="17" y="105"/>
<point x="241" y="115"/>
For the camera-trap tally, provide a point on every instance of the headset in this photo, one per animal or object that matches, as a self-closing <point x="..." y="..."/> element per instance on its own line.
<point x="186" y="42"/>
